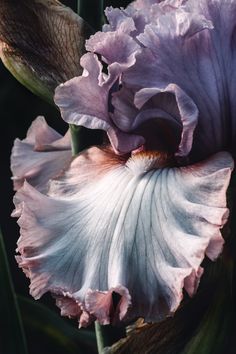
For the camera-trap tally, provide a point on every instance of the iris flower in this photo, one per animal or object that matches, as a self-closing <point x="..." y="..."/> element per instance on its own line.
<point x="124" y="230"/>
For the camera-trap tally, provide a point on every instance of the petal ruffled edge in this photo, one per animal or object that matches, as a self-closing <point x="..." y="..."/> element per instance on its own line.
<point x="197" y="209"/>
<point x="42" y="155"/>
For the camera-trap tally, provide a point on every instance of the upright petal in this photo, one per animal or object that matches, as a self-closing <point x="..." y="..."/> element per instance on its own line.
<point x="42" y="155"/>
<point x="85" y="100"/>
<point x="183" y="47"/>
<point x="118" y="20"/>
<point x="140" y="231"/>
<point x="188" y="113"/>
<point x="192" y="46"/>
<point x="114" y="47"/>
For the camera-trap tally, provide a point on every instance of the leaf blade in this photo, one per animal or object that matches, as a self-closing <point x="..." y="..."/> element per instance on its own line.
<point x="12" y="338"/>
<point x="61" y="335"/>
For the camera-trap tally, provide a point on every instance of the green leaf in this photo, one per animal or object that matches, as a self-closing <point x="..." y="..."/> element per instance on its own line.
<point x="215" y="330"/>
<point x="12" y="338"/>
<point x="62" y="336"/>
<point x="41" y="43"/>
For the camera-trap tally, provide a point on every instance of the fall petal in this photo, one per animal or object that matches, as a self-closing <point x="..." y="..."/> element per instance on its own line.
<point x="40" y="133"/>
<point x="100" y="304"/>
<point x="42" y="155"/>
<point x="137" y="231"/>
<point x="91" y="160"/>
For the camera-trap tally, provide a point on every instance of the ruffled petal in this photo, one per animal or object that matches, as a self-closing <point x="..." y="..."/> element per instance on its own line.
<point x="138" y="233"/>
<point x="84" y="100"/>
<point x="134" y="18"/>
<point x="193" y="46"/>
<point x="118" y="20"/>
<point x="42" y="155"/>
<point x="114" y="47"/>
<point x="188" y="45"/>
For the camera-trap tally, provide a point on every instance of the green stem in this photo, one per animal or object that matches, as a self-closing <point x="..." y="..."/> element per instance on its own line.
<point x="101" y="342"/>
<point x="12" y="337"/>
<point x="92" y="11"/>
<point x="107" y="335"/>
<point x="75" y="139"/>
<point x="82" y="138"/>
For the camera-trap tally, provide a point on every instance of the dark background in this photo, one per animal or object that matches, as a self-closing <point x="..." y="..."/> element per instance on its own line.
<point x="18" y="108"/>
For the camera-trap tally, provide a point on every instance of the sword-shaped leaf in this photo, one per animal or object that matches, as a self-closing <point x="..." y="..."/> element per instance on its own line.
<point x="12" y="340"/>
<point x="48" y="325"/>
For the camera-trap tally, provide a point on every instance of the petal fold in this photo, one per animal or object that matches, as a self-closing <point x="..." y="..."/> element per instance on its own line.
<point x="188" y="113"/>
<point x="191" y="44"/>
<point x="85" y="101"/>
<point x="42" y="155"/>
<point x="189" y="48"/>
<point x="137" y="232"/>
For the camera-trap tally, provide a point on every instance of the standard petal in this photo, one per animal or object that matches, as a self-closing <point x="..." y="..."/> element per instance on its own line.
<point x="114" y="47"/>
<point x="182" y="43"/>
<point x="84" y="100"/>
<point x="144" y="12"/>
<point x="138" y="232"/>
<point x="41" y="42"/>
<point x="42" y="155"/>
<point x="193" y="46"/>
<point x="159" y="115"/>
<point x="188" y="113"/>
<point x="118" y="20"/>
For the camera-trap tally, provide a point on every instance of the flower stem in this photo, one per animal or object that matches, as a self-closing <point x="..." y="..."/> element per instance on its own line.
<point x="101" y="342"/>
<point x="92" y="12"/>
<point x="75" y="132"/>
<point x="107" y="335"/>
<point x="82" y="138"/>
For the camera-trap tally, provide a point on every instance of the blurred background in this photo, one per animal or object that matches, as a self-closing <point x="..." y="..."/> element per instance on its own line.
<point x="18" y="108"/>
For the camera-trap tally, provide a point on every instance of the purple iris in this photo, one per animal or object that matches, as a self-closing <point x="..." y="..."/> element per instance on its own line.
<point x="138" y="216"/>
